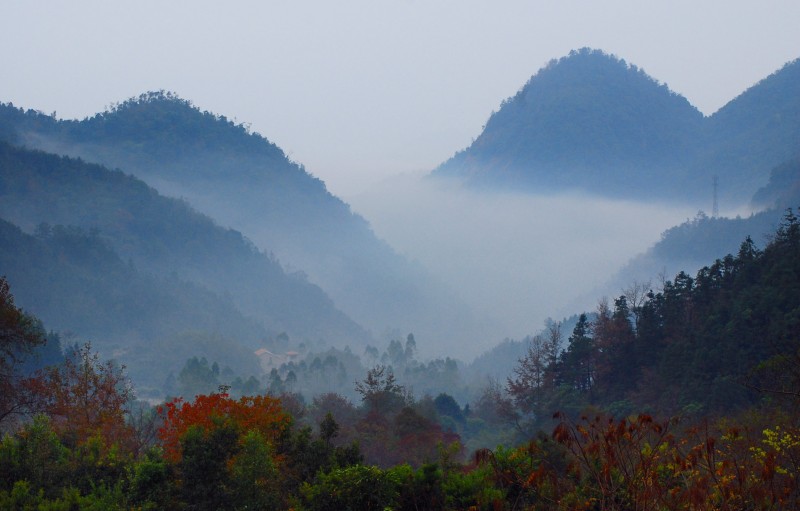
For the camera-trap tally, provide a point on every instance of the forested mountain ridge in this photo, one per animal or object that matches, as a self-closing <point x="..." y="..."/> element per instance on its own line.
<point x="242" y="180"/>
<point x="709" y="345"/>
<point x="689" y="245"/>
<point x="166" y="237"/>
<point x="783" y="188"/>
<point x="592" y="122"/>
<point x="753" y="133"/>
<point x="75" y="282"/>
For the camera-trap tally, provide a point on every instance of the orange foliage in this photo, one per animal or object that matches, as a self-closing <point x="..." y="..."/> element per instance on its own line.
<point x="261" y="413"/>
<point x="85" y="397"/>
<point x="637" y="463"/>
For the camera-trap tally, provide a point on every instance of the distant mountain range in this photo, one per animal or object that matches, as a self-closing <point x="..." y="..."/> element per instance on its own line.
<point x="175" y="254"/>
<point x="592" y="122"/>
<point x="242" y="180"/>
<point x="208" y="240"/>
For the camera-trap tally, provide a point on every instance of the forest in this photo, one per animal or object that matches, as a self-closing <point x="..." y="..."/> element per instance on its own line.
<point x="680" y="396"/>
<point x="190" y="320"/>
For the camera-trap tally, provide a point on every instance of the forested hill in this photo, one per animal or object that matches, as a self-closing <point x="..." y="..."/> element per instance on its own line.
<point x="783" y="188"/>
<point x="755" y="132"/>
<point x="242" y="180"/>
<point x="76" y="283"/>
<point x="166" y="237"/>
<point x="592" y="122"/>
<point x="691" y="244"/>
<point x="588" y="120"/>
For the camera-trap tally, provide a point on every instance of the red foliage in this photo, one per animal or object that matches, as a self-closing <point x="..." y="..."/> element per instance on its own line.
<point x="262" y="413"/>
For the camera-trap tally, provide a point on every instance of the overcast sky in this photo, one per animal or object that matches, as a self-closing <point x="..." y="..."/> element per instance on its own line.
<point x="360" y="90"/>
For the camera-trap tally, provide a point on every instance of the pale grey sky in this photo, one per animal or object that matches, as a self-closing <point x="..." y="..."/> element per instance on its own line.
<point x="358" y="90"/>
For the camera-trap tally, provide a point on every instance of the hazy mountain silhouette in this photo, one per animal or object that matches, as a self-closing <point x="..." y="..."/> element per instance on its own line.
<point x="78" y="285"/>
<point x="753" y="133"/>
<point x="593" y="122"/>
<point x="588" y="121"/>
<point x="783" y="188"/>
<point x="242" y="180"/>
<point x="166" y="237"/>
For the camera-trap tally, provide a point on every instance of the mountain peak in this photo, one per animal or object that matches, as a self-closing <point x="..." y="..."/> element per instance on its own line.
<point x="586" y="120"/>
<point x="154" y="115"/>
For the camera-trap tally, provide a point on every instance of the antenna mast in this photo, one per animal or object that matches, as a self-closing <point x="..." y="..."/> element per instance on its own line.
<point x="715" y="207"/>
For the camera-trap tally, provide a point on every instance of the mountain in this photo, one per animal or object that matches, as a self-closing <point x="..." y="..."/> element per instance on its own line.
<point x="690" y="245"/>
<point x="165" y="237"/>
<point x="588" y="121"/>
<point x="76" y="283"/>
<point x="592" y="122"/>
<point x="242" y="180"/>
<point x="782" y="189"/>
<point x="753" y="133"/>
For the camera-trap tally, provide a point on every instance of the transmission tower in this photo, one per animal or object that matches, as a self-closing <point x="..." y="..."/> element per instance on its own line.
<point x="715" y="207"/>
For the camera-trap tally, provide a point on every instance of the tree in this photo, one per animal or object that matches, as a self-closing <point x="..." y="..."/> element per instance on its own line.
<point x="20" y="333"/>
<point x="579" y="360"/>
<point x="380" y="390"/>
<point x="262" y="413"/>
<point x="411" y="347"/>
<point x="85" y="397"/>
<point x="495" y="407"/>
<point x="531" y="379"/>
<point x="224" y="449"/>
<point x="355" y="487"/>
<point x="254" y="474"/>
<point x="614" y="339"/>
<point x="447" y="406"/>
<point x="203" y="466"/>
<point x="197" y="377"/>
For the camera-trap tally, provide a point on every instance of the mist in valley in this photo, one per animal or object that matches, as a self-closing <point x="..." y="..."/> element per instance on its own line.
<point x="516" y="257"/>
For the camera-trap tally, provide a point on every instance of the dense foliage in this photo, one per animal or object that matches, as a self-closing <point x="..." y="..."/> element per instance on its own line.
<point x="73" y="279"/>
<point x="718" y="353"/>
<point x="684" y="396"/>
<point x="703" y="345"/>
<point x="20" y="334"/>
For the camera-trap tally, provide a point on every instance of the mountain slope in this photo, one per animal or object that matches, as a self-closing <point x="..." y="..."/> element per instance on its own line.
<point x="753" y="133"/>
<point x="165" y="236"/>
<point x="783" y="187"/>
<point x="242" y="180"/>
<point x="591" y="122"/>
<point x="588" y="121"/>
<point x="78" y="285"/>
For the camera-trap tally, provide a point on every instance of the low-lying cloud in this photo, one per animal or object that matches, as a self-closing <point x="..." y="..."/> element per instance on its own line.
<point x="518" y="257"/>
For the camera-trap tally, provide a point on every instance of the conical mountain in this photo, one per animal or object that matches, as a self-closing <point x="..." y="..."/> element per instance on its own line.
<point x="586" y="121"/>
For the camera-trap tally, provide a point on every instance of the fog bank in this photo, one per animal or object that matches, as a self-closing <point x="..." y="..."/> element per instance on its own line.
<point x="517" y="257"/>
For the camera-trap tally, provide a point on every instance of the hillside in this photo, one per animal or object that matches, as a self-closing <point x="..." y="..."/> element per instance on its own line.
<point x="166" y="237"/>
<point x="592" y="122"/>
<point x="75" y="282"/>
<point x="242" y="180"/>
<point x="588" y="121"/>
<point x="754" y="133"/>
<point x="689" y="245"/>
<point x="782" y="189"/>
